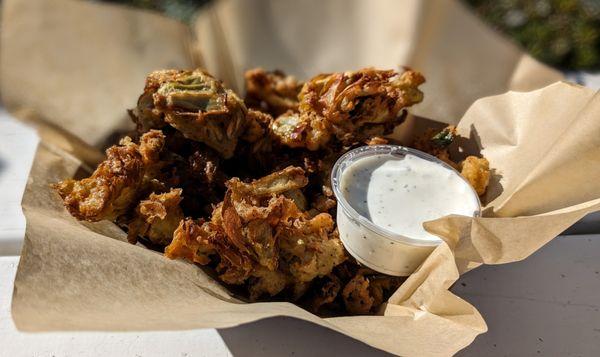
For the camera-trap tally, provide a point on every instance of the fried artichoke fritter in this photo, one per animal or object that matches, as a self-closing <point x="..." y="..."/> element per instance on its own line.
<point x="350" y="107"/>
<point x="324" y="292"/>
<point x="115" y="184"/>
<point x="367" y="290"/>
<point x="261" y="237"/>
<point x="275" y="235"/>
<point x="436" y="143"/>
<point x="477" y="171"/>
<point x="157" y="217"/>
<point x="271" y="92"/>
<point x="356" y="295"/>
<point x="290" y="178"/>
<point x="196" y="104"/>
<point x="202" y="179"/>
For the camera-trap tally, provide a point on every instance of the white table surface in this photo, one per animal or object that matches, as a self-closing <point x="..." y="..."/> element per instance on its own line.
<point x="547" y="305"/>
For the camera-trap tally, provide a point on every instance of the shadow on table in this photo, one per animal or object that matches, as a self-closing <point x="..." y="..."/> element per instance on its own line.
<point x="285" y="336"/>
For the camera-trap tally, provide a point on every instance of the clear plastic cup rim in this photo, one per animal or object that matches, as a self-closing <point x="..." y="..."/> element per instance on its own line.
<point x="354" y="155"/>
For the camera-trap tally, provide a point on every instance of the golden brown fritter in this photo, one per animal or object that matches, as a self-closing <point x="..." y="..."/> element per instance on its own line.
<point x="324" y="292"/>
<point x="186" y="242"/>
<point x="274" y="244"/>
<point x="477" y="171"/>
<point x="194" y="103"/>
<point x="114" y="186"/>
<point x="257" y="126"/>
<point x="301" y="130"/>
<point x="271" y="92"/>
<point x="349" y="107"/>
<point x="203" y="182"/>
<point x="255" y="190"/>
<point x="377" y="140"/>
<point x="357" y="297"/>
<point x="157" y="217"/>
<point x="145" y="115"/>
<point x="278" y="182"/>
<point x="367" y="290"/>
<point x="436" y="143"/>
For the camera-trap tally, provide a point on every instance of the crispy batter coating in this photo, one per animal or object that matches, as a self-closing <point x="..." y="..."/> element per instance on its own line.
<point x="157" y="217"/>
<point x="196" y="104"/>
<point x="198" y="241"/>
<point x="271" y="92"/>
<point x="253" y="184"/>
<point x="377" y="140"/>
<point x="278" y="182"/>
<point x="302" y="130"/>
<point x="257" y="124"/>
<point x="114" y="186"/>
<point x="436" y="143"/>
<point x="145" y="115"/>
<point x="367" y="290"/>
<point x="357" y="297"/>
<point x="265" y="281"/>
<point x="275" y="244"/>
<point x="324" y="292"/>
<point x="186" y="242"/>
<point x="350" y="107"/>
<point x="477" y="171"/>
<point x="203" y="182"/>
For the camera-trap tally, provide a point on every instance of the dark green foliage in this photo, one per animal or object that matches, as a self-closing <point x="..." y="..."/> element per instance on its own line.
<point x="561" y="33"/>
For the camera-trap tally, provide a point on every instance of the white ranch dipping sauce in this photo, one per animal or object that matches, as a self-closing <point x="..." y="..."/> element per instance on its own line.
<point x="392" y="191"/>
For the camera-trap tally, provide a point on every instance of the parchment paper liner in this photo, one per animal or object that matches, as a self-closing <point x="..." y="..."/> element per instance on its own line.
<point x="72" y="275"/>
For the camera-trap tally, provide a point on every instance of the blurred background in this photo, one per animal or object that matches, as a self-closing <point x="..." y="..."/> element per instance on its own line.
<point x="562" y="33"/>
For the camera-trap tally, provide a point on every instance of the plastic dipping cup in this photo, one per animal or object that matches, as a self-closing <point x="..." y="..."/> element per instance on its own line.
<point x="380" y="248"/>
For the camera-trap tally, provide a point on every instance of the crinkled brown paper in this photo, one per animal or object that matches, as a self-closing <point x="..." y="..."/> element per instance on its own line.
<point x="72" y="68"/>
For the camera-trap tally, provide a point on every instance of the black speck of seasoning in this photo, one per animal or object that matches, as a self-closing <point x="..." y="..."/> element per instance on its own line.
<point x="406" y="267"/>
<point x="494" y="345"/>
<point x="414" y="186"/>
<point x="391" y="189"/>
<point x="364" y="201"/>
<point x="463" y="284"/>
<point x="562" y="275"/>
<point x="541" y="339"/>
<point x="378" y="212"/>
<point x="395" y="181"/>
<point x="405" y="186"/>
<point x="484" y="279"/>
<point x="597" y="272"/>
<point x="389" y="225"/>
<point x="589" y="239"/>
<point x="538" y="351"/>
<point x="364" y="237"/>
<point x="392" y="243"/>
